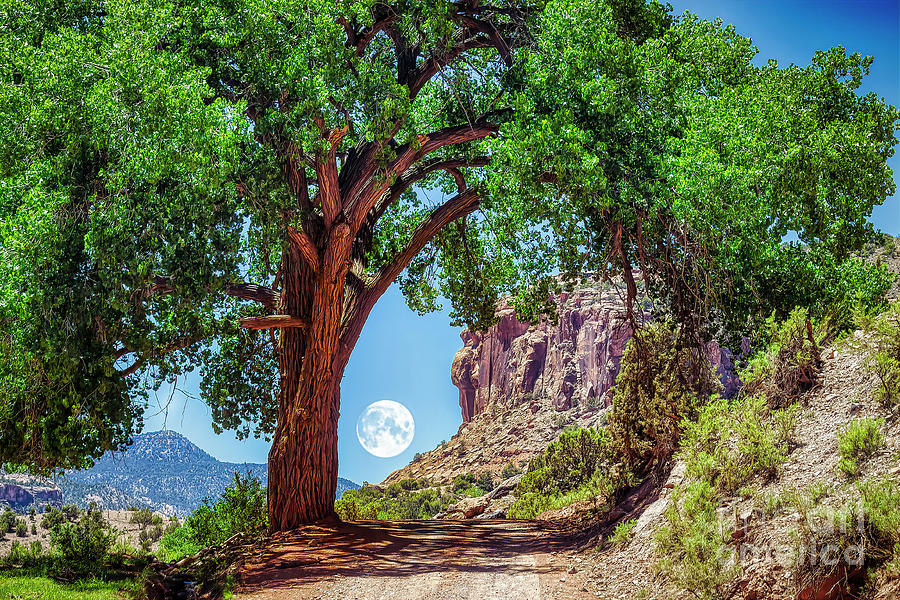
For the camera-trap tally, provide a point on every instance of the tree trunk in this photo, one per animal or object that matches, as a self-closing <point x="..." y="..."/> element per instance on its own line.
<point x="303" y="461"/>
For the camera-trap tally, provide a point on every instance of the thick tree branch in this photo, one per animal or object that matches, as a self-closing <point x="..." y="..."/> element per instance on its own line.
<point x="326" y="170"/>
<point x="306" y="247"/>
<point x="273" y="321"/>
<point x="451" y="210"/>
<point x="422" y="74"/>
<point x="408" y="155"/>
<point x="245" y="291"/>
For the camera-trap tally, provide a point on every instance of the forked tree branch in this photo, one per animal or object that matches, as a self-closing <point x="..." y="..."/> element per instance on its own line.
<point x="451" y="210"/>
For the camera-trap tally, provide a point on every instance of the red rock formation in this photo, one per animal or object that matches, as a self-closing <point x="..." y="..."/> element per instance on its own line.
<point x="572" y="362"/>
<point x="569" y="362"/>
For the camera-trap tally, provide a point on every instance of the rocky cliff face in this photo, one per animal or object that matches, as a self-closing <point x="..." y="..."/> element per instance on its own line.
<point x="20" y="491"/>
<point x="573" y="362"/>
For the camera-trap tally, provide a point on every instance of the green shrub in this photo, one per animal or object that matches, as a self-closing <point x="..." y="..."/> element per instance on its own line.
<point x="71" y="512"/>
<point x="658" y="385"/>
<point x="82" y="546"/>
<point x="692" y="545"/>
<point x="622" y="533"/>
<point x="8" y="521"/>
<point x="789" y="365"/>
<point x="578" y="466"/>
<point x="404" y="485"/>
<point x="401" y="500"/>
<point x="142" y="517"/>
<point x="864" y="531"/>
<point x="471" y="484"/>
<point x="21" y="528"/>
<point x="52" y="517"/>
<point x="599" y="490"/>
<point x="178" y="543"/>
<point x="734" y="441"/>
<point x="858" y="441"/>
<point x="881" y="502"/>
<point x="885" y="362"/>
<point x="241" y="509"/>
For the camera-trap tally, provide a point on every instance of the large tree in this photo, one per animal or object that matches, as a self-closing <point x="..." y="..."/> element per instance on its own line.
<point x="233" y="184"/>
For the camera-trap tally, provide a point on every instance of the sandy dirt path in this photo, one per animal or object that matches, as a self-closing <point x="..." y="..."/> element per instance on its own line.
<point x="409" y="560"/>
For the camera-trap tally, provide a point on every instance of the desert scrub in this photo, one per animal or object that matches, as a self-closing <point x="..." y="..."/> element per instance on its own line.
<point x="623" y="532"/>
<point x="858" y="441"/>
<point x="510" y="470"/>
<point x="881" y="503"/>
<point x="693" y="544"/>
<point x="733" y="442"/>
<point x="885" y="361"/>
<point x="578" y="466"/>
<point x="863" y="529"/>
<point x="789" y="364"/>
<point x="472" y="484"/>
<point x="406" y="499"/>
<point x="80" y="547"/>
<point x="240" y="509"/>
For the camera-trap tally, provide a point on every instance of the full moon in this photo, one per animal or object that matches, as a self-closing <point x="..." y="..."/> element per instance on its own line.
<point x="385" y="428"/>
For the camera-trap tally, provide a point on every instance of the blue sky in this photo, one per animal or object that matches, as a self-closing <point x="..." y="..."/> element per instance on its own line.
<point x="404" y="357"/>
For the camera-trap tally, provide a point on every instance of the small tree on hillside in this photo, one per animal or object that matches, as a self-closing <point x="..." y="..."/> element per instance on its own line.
<point x="233" y="186"/>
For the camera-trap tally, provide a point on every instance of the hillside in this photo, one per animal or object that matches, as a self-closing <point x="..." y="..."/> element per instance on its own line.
<point x="162" y="470"/>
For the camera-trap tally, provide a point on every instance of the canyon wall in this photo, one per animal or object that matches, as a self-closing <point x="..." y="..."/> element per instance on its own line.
<point x="572" y="362"/>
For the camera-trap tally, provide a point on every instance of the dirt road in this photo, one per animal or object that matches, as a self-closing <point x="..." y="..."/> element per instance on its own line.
<point x="411" y="560"/>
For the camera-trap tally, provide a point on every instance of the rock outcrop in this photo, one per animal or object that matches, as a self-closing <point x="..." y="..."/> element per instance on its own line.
<point x="571" y="362"/>
<point x="19" y="495"/>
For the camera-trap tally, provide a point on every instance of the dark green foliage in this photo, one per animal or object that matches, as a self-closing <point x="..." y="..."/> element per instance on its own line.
<point x="21" y="528"/>
<point x="406" y="499"/>
<point x="472" y="484"/>
<point x="71" y="512"/>
<point x="510" y="470"/>
<point x="661" y="382"/>
<point x="81" y="548"/>
<point x="52" y="516"/>
<point x="8" y="520"/>
<point x="142" y="517"/>
<point x="240" y="509"/>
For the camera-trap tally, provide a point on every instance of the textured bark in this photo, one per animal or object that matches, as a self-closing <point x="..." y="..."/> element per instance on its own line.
<point x="303" y="459"/>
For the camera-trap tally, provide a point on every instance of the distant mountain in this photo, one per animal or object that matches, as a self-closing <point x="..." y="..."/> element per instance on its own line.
<point x="162" y="470"/>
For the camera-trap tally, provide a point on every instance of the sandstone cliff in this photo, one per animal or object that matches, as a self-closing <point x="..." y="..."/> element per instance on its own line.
<point x="20" y="491"/>
<point x="572" y="362"/>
